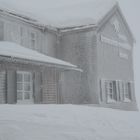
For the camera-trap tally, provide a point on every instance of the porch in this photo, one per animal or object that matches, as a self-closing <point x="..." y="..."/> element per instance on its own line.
<point x="27" y="76"/>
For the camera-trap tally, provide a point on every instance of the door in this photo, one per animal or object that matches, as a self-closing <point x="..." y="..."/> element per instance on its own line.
<point x="50" y="89"/>
<point x="24" y="87"/>
<point x="2" y="87"/>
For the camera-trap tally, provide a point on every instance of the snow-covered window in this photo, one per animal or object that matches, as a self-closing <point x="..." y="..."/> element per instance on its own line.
<point x="110" y="90"/>
<point x="24" y="85"/>
<point x="127" y="93"/>
<point x="1" y="30"/>
<point x="33" y="40"/>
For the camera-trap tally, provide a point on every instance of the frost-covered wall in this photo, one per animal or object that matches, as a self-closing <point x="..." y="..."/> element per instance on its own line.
<point x="15" y="30"/>
<point x="115" y="62"/>
<point x="102" y="54"/>
<point x="79" y="48"/>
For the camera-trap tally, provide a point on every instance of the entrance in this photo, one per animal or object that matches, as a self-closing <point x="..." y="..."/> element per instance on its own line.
<point x="24" y="87"/>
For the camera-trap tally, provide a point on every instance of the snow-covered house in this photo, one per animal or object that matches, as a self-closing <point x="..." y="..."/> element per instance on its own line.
<point x="45" y="45"/>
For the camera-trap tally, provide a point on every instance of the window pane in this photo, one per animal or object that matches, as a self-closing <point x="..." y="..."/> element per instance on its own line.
<point x="27" y="95"/>
<point x="27" y="87"/>
<point x="27" y="78"/>
<point x="19" y="86"/>
<point x="19" y="95"/>
<point x="111" y="91"/>
<point x="19" y="77"/>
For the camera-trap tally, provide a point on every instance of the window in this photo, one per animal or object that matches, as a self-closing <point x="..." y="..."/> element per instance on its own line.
<point x="124" y="91"/>
<point x="33" y="40"/>
<point x="114" y="91"/>
<point x="24" y="86"/>
<point x="127" y="93"/>
<point x="110" y="90"/>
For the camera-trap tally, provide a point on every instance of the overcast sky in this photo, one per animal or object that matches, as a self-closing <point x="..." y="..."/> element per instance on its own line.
<point x="131" y="10"/>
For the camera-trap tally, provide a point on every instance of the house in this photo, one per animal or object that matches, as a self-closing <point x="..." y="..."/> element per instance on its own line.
<point x="53" y="41"/>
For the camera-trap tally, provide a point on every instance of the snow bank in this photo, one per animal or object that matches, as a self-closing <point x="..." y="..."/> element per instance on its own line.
<point x="67" y="122"/>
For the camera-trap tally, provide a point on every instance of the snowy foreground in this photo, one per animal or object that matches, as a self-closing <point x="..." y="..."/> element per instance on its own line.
<point x="67" y="122"/>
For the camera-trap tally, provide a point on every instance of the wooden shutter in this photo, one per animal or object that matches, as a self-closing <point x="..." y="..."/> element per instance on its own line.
<point x="37" y="87"/>
<point x="132" y="90"/>
<point x="120" y="90"/>
<point x="102" y="89"/>
<point x="2" y="87"/>
<point x="117" y="90"/>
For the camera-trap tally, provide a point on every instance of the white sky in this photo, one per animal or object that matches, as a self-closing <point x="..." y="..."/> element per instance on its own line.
<point x="131" y="10"/>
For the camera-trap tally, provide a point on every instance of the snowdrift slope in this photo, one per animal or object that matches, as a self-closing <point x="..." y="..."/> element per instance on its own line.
<point x="67" y="122"/>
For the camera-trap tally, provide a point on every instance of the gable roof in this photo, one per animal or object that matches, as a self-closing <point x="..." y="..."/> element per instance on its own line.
<point x="60" y="13"/>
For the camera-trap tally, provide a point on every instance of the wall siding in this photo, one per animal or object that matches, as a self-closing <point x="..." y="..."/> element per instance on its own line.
<point x="80" y="49"/>
<point x="110" y="65"/>
<point x="45" y="42"/>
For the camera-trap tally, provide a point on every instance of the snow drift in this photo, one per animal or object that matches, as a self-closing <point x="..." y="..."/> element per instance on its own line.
<point x="67" y="122"/>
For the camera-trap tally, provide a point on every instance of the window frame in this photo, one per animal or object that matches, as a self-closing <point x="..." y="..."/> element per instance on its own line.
<point x="110" y="90"/>
<point x="127" y="93"/>
<point x="33" y="39"/>
<point x="23" y="83"/>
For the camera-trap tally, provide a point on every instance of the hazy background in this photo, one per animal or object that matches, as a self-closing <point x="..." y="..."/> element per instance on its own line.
<point x="131" y="10"/>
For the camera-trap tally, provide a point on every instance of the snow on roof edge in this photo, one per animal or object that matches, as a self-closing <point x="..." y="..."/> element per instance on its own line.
<point x="41" y="25"/>
<point x="14" y="50"/>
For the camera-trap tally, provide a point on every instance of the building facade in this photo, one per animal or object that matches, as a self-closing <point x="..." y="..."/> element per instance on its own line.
<point x="103" y="51"/>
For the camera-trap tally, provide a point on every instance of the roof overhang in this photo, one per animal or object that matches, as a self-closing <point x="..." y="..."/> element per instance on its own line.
<point x="12" y="52"/>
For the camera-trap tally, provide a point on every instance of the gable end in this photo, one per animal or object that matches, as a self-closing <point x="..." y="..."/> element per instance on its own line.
<point x="116" y="11"/>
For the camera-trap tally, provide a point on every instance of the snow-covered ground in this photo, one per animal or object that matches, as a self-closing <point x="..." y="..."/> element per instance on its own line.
<point x="67" y="122"/>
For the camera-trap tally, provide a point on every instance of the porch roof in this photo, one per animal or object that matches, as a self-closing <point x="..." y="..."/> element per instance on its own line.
<point x="15" y="51"/>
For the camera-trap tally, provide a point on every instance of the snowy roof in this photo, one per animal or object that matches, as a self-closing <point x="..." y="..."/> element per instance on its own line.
<point x="60" y="13"/>
<point x="13" y="50"/>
